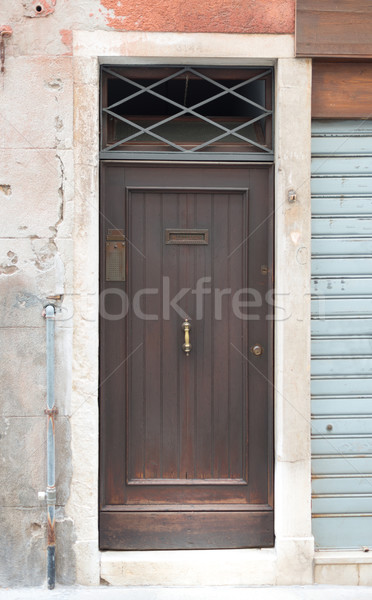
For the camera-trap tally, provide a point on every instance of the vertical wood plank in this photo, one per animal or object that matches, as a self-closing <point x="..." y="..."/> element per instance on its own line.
<point x="171" y="345"/>
<point x="187" y="363"/>
<point x="237" y="251"/>
<point x="137" y="252"/>
<point x="220" y="335"/>
<point x="203" y="348"/>
<point x="153" y="327"/>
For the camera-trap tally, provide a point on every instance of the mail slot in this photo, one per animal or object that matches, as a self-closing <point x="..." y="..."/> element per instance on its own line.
<point x="187" y="236"/>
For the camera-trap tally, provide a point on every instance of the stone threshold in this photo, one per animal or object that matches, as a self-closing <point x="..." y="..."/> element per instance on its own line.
<point x="190" y="567"/>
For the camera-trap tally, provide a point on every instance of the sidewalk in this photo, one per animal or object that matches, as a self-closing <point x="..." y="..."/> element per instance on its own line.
<point x="314" y="592"/>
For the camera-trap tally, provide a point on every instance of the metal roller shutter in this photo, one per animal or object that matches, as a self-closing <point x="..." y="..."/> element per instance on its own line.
<point x="342" y="333"/>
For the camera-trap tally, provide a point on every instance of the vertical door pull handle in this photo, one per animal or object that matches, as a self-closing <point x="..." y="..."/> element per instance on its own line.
<point x="186" y="347"/>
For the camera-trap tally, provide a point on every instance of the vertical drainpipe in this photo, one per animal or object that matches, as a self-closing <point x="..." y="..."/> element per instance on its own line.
<point x="50" y="411"/>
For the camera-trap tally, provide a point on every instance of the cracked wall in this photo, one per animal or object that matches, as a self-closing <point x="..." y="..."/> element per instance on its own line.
<point x="39" y="226"/>
<point x="36" y="224"/>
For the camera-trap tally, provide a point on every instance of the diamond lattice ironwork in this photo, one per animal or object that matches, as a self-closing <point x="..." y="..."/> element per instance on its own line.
<point x="187" y="111"/>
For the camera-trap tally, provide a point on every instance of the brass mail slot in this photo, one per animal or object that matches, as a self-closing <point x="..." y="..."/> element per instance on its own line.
<point x="187" y="236"/>
<point x="115" y="255"/>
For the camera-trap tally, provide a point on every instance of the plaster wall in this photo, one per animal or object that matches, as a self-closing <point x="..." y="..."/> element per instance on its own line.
<point x="36" y="217"/>
<point x="48" y="253"/>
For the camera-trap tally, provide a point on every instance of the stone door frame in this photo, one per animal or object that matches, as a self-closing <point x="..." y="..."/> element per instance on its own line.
<point x="291" y="561"/>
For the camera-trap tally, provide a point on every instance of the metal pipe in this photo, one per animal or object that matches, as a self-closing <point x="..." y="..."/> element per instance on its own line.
<point x="50" y="411"/>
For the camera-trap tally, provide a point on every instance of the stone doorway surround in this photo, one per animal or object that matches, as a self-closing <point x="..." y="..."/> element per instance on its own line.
<point x="291" y="560"/>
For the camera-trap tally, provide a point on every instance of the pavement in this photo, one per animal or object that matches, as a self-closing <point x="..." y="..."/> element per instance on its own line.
<point x="307" y="592"/>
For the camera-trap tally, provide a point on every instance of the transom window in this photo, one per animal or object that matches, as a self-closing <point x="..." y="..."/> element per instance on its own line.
<point x="187" y="113"/>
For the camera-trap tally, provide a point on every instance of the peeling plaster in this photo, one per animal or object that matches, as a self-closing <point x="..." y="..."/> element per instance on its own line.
<point x="58" y="126"/>
<point x="55" y="84"/>
<point x="302" y="255"/>
<point x="26" y="300"/>
<point x="295" y="237"/>
<point x="9" y="267"/>
<point x="44" y="257"/>
<point x="61" y="190"/>
<point x="6" y="189"/>
<point x="58" y="123"/>
<point x="66" y="37"/>
<point x="39" y="8"/>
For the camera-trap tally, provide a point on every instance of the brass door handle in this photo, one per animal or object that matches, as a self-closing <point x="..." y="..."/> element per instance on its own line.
<point x="186" y="347"/>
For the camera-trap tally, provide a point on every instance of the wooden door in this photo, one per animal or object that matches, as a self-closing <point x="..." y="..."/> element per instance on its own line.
<point x="186" y="440"/>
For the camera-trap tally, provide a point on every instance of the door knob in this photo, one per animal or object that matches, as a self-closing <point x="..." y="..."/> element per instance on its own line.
<point x="257" y="350"/>
<point x="186" y="347"/>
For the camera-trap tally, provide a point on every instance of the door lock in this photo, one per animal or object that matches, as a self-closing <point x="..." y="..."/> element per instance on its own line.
<point x="257" y="350"/>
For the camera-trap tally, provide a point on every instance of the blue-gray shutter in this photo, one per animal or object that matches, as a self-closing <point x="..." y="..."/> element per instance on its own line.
<point x="342" y="333"/>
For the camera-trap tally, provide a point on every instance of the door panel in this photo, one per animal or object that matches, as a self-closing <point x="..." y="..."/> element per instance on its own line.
<point x="186" y="441"/>
<point x="167" y="438"/>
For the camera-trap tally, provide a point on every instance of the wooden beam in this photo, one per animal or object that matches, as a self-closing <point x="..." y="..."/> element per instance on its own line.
<point x="342" y="90"/>
<point x="334" y="28"/>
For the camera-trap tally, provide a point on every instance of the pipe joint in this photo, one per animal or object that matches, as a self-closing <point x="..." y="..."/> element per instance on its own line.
<point x="51" y="495"/>
<point x="49" y="311"/>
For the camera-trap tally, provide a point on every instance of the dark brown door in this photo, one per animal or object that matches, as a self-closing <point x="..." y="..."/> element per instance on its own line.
<point x="186" y="440"/>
